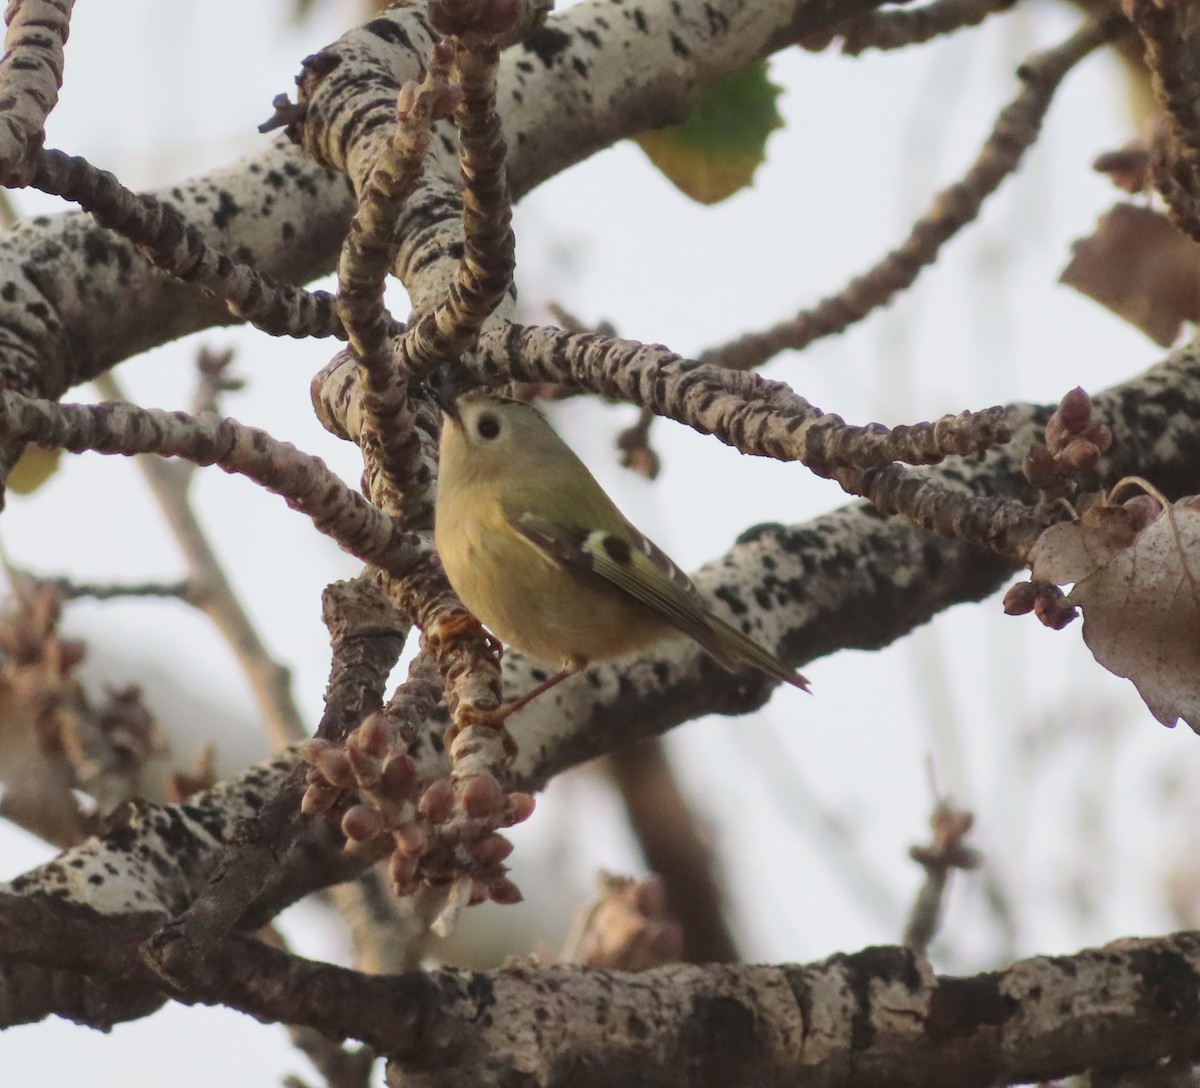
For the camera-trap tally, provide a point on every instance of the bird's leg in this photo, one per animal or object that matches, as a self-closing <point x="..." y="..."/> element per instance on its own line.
<point x="462" y="623"/>
<point x="570" y="667"/>
<point x="496" y="718"/>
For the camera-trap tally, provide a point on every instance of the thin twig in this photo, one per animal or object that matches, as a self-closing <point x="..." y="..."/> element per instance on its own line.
<point x="1015" y="131"/>
<point x="303" y="481"/>
<point x="485" y="271"/>
<point x="894" y="29"/>
<point x="758" y="417"/>
<point x="212" y="380"/>
<point x="176" y="247"/>
<point x="670" y="838"/>
<point x="398" y="476"/>
<point x="71" y="590"/>
<point x="944" y="854"/>
<point x="211" y="592"/>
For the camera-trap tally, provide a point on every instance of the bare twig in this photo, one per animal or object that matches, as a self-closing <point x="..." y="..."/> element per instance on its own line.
<point x="670" y="838"/>
<point x="944" y="854"/>
<point x="758" y="417"/>
<point x="1168" y="38"/>
<point x="213" y="379"/>
<point x="179" y="249"/>
<point x="768" y="419"/>
<point x="485" y="271"/>
<point x="211" y="592"/>
<point x="1016" y="129"/>
<point x="71" y="590"/>
<point x="391" y="444"/>
<point x="636" y="451"/>
<point x="1005" y="527"/>
<point x="305" y="482"/>
<point x="895" y="29"/>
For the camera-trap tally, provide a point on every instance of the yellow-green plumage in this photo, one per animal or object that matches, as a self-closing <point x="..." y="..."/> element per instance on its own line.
<point x="538" y="552"/>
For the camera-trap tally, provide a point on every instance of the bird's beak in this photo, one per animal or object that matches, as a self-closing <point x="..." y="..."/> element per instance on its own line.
<point x="445" y="394"/>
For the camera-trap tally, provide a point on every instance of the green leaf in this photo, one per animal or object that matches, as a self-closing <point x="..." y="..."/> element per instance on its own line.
<point x="715" y="152"/>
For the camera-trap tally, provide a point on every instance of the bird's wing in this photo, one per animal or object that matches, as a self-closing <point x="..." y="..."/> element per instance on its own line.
<point x="636" y="566"/>
<point x="632" y="564"/>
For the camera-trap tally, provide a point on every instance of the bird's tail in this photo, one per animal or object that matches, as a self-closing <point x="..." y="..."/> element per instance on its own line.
<point x="730" y="648"/>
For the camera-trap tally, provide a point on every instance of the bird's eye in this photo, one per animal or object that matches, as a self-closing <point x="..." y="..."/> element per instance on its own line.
<point x="488" y="427"/>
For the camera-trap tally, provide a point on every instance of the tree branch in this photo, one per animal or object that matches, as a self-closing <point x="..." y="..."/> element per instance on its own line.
<point x="305" y="483"/>
<point x="877" y="1017"/>
<point x="30" y="77"/>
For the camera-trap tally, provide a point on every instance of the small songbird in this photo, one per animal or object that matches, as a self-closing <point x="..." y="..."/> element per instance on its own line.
<point x="540" y="554"/>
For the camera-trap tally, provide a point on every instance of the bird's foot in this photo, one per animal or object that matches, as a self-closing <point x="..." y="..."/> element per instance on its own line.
<point x="458" y="624"/>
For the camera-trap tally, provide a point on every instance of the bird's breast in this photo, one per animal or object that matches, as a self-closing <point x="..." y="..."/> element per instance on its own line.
<point x="529" y="600"/>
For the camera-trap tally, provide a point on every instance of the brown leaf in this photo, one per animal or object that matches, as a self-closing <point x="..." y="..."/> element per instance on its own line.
<point x="627" y="928"/>
<point x="1142" y="269"/>
<point x="1128" y="168"/>
<point x="39" y="701"/>
<point x="1136" y="581"/>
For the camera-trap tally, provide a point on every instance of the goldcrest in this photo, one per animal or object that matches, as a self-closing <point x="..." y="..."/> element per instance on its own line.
<point x="540" y="554"/>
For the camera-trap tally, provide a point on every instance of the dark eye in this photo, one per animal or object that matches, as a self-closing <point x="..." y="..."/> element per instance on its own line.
<point x="488" y="427"/>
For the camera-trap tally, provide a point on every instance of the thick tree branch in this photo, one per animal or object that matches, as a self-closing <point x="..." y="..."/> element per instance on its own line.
<point x="878" y="1017"/>
<point x="179" y="249"/>
<point x="77" y="298"/>
<point x="30" y="77"/>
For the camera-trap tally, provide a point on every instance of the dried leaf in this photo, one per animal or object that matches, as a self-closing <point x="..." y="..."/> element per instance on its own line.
<point x="715" y="152"/>
<point x="1129" y="168"/>
<point x="627" y="928"/>
<point x="1138" y="588"/>
<point x="53" y="741"/>
<point x="39" y="700"/>
<point x="1142" y="269"/>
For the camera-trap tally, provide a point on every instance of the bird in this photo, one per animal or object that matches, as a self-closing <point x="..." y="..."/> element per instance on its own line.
<point x="539" y="553"/>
